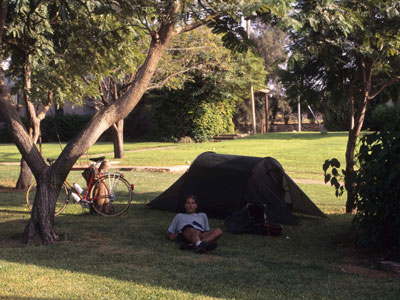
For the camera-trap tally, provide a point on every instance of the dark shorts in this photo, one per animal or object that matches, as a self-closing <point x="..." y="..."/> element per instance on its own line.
<point x="181" y="237"/>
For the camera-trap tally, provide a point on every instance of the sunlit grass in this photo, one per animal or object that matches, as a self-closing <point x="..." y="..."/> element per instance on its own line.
<point x="301" y="154"/>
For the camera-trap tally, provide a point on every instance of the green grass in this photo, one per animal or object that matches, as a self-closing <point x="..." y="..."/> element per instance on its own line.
<point x="301" y="154"/>
<point x="128" y="257"/>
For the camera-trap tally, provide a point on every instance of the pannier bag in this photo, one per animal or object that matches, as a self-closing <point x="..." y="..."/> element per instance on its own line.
<point x="252" y="219"/>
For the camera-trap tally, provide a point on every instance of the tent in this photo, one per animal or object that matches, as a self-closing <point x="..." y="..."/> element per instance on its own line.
<point x="223" y="184"/>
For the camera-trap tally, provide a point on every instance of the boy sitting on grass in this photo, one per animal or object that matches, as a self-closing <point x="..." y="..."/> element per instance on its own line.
<point x="192" y="229"/>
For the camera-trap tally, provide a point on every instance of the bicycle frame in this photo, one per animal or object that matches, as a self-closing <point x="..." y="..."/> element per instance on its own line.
<point x="109" y="194"/>
<point x="86" y="198"/>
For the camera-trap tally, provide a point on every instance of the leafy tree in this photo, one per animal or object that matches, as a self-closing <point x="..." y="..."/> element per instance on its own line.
<point x="46" y="49"/>
<point x="205" y="105"/>
<point x="345" y="50"/>
<point x="161" y="21"/>
<point x="26" y="45"/>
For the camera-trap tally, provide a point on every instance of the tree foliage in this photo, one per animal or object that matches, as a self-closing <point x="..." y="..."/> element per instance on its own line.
<point x="345" y="51"/>
<point x="217" y="81"/>
<point x="378" y="191"/>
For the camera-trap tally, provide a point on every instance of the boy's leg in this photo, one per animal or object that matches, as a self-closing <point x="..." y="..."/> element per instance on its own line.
<point x="211" y="235"/>
<point x="192" y="235"/>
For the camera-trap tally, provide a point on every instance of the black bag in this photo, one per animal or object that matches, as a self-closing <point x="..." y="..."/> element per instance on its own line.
<point x="252" y="219"/>
<point x="239" y="222"/>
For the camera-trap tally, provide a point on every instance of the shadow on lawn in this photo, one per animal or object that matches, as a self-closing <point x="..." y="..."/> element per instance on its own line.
<point x="133" y="248"/>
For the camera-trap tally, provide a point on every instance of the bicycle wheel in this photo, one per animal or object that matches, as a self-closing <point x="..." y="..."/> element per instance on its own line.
<point x="62" y="199"/>
<point x="110" y="195"/>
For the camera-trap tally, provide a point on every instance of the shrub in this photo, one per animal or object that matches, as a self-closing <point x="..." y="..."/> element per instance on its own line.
<point x="378" y="190"/>
<point x="195" y="111"/>
<point x="5" y="136"/>
<point x="212" y="119"/>
<point x="382" y="117"/>
<point x="66" y="126"/>
<point x="336" y="116"/>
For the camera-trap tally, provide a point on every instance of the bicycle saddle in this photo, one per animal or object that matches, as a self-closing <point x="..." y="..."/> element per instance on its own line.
<point x="97" y="159"/>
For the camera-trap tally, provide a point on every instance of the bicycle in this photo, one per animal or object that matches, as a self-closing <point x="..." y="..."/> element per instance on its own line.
<point x="109" y="194"/>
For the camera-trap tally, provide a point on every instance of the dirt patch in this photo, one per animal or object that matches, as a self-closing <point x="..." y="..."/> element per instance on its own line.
<point x="8" y="189"/>
<point x="308" y="181"/>
<point x="360" y="262"/>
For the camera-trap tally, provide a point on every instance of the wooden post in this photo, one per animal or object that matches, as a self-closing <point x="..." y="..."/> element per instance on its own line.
<point x="263" y="127"/>
<point x="266" y="113"/>
<point x="253" y="106"/>
<point x="253" y="110"/>
<point x="298" y="114"/>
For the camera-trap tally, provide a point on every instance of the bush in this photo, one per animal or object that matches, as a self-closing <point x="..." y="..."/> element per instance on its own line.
<point x="66" y="126"/>
<point x="382" y="117"/>
<point x="336" y="116"/>
<point x="212" y="119"/>
<point x="195" y="111"/>
<point x="5" y="136"/>
<point x="378" y="191"/>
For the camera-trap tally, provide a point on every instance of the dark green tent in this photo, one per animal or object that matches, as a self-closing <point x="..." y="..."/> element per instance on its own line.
<point x="224" y="183"/>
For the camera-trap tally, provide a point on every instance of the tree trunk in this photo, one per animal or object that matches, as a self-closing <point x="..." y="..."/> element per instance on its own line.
<point x="42" y="215"/>
<point x="349" y="179"/>
<point x="25" y="176"/>
<point x="117" y="130"/>
<point x="357" y="117"/>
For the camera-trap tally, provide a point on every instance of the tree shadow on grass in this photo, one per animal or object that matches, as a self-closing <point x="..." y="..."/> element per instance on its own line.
<point x="133" y="249"/>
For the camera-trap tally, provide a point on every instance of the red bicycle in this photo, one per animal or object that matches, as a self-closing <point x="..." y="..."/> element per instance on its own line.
<point x="107" y="193"/>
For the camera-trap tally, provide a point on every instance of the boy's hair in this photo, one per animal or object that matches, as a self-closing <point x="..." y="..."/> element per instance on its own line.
<point x="191" y="196"/>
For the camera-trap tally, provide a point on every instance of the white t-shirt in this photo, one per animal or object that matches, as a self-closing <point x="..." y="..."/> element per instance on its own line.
<point x="199" y="221"/>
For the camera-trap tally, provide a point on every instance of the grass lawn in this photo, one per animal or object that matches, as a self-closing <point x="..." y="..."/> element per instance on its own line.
<point x="128" y="257"/>
<point x="301" y="154"/>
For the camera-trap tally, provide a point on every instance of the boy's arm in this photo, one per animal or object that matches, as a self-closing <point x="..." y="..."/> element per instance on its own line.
<point x="172" y="229"/>
<point x="171" y="236"/>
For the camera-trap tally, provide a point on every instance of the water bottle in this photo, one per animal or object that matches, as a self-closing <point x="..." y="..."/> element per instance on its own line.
<point x="77" y="188"/>
<point x="75" y="197"/>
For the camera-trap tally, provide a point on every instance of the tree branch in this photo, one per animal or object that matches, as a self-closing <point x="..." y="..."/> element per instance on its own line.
<point x="42" y="113"/>
<point x="385" y="85"/>
<point x="187" y="49"/>
<point x="161" y="84"/>
<point x="197" y="24"/>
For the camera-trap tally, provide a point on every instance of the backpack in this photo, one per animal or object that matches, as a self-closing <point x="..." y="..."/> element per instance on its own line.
<point x="252" y="219"/>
